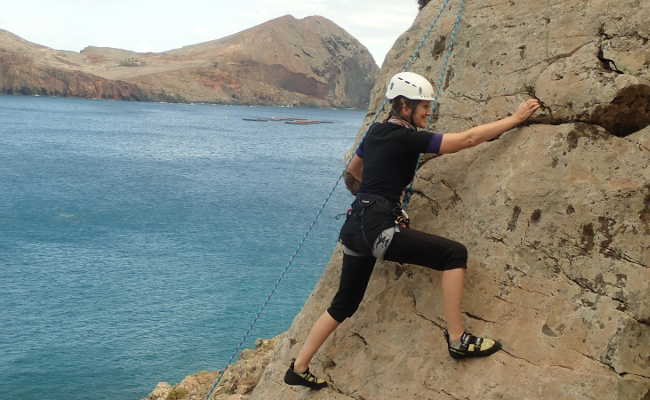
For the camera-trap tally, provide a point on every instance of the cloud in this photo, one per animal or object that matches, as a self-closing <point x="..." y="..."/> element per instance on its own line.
<point x="376" y="24"/>
<point x="164" y="25"/>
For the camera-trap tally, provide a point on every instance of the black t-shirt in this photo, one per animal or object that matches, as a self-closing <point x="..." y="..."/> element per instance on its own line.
<point x="390" y="155"/>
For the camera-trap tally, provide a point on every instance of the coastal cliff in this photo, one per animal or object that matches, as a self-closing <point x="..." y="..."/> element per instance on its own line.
<point x="555" y="214"/>
<point x="285" y="61"/>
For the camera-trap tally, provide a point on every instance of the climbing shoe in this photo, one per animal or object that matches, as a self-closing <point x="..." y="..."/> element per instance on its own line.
<point x="471" y="346"/>
<point x="303" y="378"/>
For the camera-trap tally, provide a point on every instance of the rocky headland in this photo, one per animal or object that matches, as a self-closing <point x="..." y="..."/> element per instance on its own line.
<point x="556" y="216"/>
<point x="285" y="61"/>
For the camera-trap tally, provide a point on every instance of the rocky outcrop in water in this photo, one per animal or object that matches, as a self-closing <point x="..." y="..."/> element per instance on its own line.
<point x="237" y="383"/>
<point x="285" y="61"/>
<point x="556" y="216"/>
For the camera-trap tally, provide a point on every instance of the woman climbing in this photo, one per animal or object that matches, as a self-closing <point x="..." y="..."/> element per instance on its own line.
<point x="377" y="228"/>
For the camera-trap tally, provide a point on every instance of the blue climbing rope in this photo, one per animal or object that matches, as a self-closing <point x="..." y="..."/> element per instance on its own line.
<point x="409" y="63"/>
<point x="439" y="85"/>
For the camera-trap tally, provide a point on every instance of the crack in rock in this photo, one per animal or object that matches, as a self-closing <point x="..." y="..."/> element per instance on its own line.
<point x="519" y="358"/>
<point x="585" y="284"/>
<point x="612" y="368"/>
<point x="442" y="328"/>
<point x="476" y="317"/>
<point x="488" y="98"/>
<point x="533" y="292"/>
<point x="496" y="238"/>
<point x="427" y="197"/>
<point x="357" y="335"/>
<point x="561" y="366"/>
<point x="433" y="203"/>
<point x="552" y="60"/>
<point x="622" y="306"/>
<point x="546" y="252"/>
<point x="450" y="395"/>
<point x="503" y="300"/>
<point x="626" y="113"/>
<point x="622" y="374"/>
<point x="441" y="391"/>
<point x="456" y="198"/>
<point x="635" y="35"/>
<point x="620" y="255"/>
<point x="608" y="64"/>
<point x="558" y="121"/>
<point x="609" y="366"/>
<point x="333" y="387"/>
<point x="464" y="96"/>
<point x="415" y="311"/>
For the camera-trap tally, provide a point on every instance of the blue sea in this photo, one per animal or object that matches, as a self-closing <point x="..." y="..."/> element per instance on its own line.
<point x="138" y="240"/>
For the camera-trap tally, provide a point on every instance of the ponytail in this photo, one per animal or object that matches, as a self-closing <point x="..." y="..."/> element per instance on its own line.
<point x="397" y="104"/>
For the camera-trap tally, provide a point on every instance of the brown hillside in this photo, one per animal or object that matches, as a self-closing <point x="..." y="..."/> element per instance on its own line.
<point x="284" y="61"/>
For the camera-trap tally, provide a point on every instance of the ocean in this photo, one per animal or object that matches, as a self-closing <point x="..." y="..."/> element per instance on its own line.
<point x="138" y="240"/>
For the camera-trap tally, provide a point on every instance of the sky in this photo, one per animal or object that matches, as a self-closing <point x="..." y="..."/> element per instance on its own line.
<point x="160" y="25"/>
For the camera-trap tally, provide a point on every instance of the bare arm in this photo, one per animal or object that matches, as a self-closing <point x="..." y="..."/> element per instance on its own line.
<point x="453" y="142"/>
<point x="356" y="167"/>
<point x="352" y="175"/>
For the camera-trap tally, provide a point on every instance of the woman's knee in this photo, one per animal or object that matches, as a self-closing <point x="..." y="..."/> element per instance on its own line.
<point x="355" y="275"/>
<point x="341" y="311"/>
<point x="457" y="254"/>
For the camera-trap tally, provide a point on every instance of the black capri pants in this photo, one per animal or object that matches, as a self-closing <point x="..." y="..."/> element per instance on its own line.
<point x="408" y="246"/>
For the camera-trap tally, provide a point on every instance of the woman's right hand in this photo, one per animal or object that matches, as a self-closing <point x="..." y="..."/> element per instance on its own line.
<point x="526" y="109"/>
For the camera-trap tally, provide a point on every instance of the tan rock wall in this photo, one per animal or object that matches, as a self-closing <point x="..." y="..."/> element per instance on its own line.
<point x="558" y="271"/>
<point x="556" y="216"/>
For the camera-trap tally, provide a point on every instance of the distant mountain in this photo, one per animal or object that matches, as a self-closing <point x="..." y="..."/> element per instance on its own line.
<point x="285" y="61"/>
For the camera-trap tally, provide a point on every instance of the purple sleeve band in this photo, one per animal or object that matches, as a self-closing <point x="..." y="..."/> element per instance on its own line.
<point x="434" y="143"/>
<point x="359" y="151"/>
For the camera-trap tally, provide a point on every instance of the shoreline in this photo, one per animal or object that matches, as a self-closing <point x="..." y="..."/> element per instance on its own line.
<point x="190" y="102"/>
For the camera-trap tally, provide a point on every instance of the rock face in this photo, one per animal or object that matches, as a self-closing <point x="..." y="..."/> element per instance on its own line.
<point x="285" y="61"/>
<point x="237" y="383"/>
<point x="556" y="216"/>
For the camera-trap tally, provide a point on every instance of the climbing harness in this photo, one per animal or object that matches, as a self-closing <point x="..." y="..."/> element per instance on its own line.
<point x="377" y="220"/>
<point x="406" y="67"/>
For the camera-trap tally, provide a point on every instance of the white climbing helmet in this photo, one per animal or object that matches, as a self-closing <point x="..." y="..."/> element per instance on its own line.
<point x="410" y="85"/>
